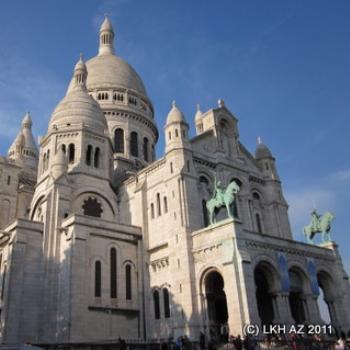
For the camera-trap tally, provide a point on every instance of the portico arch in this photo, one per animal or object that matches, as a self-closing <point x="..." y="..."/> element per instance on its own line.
<point x="212" y="285"/>
<point x="299" y="287"/>
<point x="266" y="283"/>
<point x="326" y="284"/>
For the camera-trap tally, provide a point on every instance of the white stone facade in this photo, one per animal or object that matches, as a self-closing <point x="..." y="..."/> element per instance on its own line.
<point x="100" y="240"/>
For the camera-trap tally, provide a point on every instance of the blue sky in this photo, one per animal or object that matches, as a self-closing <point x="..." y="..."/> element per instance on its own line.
<point x="282" y="67"/>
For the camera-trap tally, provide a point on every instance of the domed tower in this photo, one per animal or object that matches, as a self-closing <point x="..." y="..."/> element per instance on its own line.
<point x="277" y="221"/>
<point x="266" y="161"/>
<point x="198" y="120"/>
<point x="77" y="145"/>
<point x="120" y="92"/>
<point x="176" y="130"/>
<point x="24" y="150"/>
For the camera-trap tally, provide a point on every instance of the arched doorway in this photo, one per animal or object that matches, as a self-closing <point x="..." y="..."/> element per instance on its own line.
<point x="296" y="296"/>
<point x="263" y="283"/>
<point x="325" y="299"/>
<point x="216" y="304"/>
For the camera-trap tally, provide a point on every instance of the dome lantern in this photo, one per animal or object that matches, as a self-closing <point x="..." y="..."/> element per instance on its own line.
<point x="106" y="37"/>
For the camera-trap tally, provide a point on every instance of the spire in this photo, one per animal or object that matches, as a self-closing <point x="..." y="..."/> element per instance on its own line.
<point x="106" y="37"/>
<point x="198" y="115"/>
<point x="23" y="148"/>
<point x="27" y="121"/>
<point x="80" y="74"/>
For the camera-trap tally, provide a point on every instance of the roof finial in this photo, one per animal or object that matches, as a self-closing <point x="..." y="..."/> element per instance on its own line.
<point x="198" y="114"/>
<point x="80" y="73"/>
<point x="106" y="37"/>
<point x="221" y="103"/>
<point x="259" y="140"/>
<point x="174" y="104"/>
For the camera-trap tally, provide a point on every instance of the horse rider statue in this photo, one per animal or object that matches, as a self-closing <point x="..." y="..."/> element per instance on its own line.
<point x="315" y="221"/>
<point x="219" y="192"/>
<point x="319" y="224"/>
<point x="221" y="197"/>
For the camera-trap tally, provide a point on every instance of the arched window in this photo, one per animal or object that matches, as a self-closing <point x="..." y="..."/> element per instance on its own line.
<point x="3" y="283"/>
<point x="165" y="200"/>
<point x="134" y="150"/>
<point x="98" y="279"/>
<point x="71" y="153"/>
<point x="152" y="211"/>
<point x="203" y="180"/>
<point x="97" y="157"/>
<point x="145" y="149"/>
<point x="44" y="162"/>
<point x="256" y="196"/>
<point x="258" y="223"/>
<point x="176" y="133"/>
<point x="119" y="140"/>
<point x="113" y="271"/>
<point x="156" y="305"/>
<point x="166" y="303"/>
<point x="159" y="209"/>
<point x="47" y="159"/>
<point x="88" y="155"/>
<point x="171" y="168"/>
<point x="63" y="147"/>
<point x="153" y="152"/>
<point x="205" y="213"/>
<point x="169" y="135"/>
<point x="234" y="206"/>
<point x="128" y="286"/>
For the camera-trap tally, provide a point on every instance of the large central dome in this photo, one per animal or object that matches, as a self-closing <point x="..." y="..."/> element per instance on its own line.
<point x="110" y="71"/>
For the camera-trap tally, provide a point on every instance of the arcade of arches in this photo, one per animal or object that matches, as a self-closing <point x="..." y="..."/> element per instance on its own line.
<point x="297" y="305"/>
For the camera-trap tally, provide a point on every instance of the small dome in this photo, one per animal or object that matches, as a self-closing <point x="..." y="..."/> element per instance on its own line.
<point x="106" y="25"/>
<point x="175" y="115"/>
<point x="78" y="107"/>
<point x="80" y="65"/>
<point x="198" y="115"/>
<point x="262" y="151"/>
<point x="27" y="121"/>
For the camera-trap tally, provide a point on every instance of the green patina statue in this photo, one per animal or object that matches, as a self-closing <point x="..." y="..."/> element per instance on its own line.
<point x="319" y="224"/>
<point x="220" y="198"/>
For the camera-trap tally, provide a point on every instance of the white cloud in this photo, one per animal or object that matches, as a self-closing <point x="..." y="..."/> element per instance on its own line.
<point x="342" y="175"/>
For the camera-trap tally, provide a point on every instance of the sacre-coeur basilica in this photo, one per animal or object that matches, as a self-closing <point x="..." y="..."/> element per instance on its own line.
<point x="99" y="239"/>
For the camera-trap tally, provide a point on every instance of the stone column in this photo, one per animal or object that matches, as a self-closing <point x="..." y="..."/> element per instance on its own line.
<point x="312" y="306"/>
<point x="282" y="302"/>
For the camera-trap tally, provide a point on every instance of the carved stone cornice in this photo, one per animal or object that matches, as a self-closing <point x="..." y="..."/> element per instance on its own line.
<point x="251" y="244"/>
